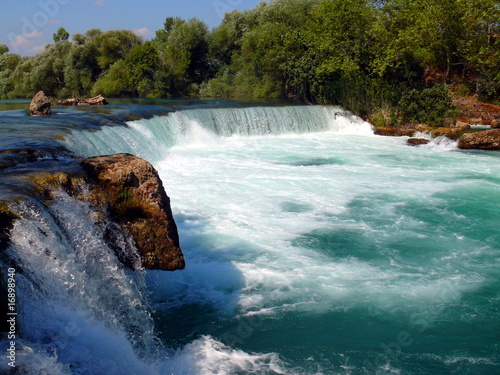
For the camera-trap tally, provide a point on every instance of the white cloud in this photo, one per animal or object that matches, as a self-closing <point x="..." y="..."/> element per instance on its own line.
<point x="54" y="21"/>
<point x="100" y="3"/>
<point x="37" y="49"/>
<point x="143" y="31"/>
<point x="26" y="41"/>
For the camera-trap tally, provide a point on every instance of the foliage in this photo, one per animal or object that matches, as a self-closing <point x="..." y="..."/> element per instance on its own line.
<point x="115" y="83"/>
<point x="383" y="59"/>
<point x="61" y="36"/>
<point x="429" y="105"/>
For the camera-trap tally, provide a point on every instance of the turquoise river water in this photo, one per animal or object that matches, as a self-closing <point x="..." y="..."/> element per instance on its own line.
<point x="312" y="247"/>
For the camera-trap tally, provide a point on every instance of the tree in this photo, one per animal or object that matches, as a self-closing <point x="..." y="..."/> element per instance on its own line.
<point x="8" y="64"/>
<point x="183" y="52"/>
<point x="115" y="83"/>
<point x="82" y="69"/>
<point x="142" y="62"/>
<point x="61" y="36"/>
<point x="132" y="76"/>
<point x="3" y="49"/>
<point x="113" y="45"/>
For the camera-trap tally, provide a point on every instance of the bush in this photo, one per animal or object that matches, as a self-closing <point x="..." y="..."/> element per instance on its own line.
<point x="429" y="105"/>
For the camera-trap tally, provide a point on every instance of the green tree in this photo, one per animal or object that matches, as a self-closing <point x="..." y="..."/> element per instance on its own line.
<point x="430" y="105"/>
<point x="183" y="50"/>
<point x="113" y="45"/>
<point x="61" y="36"/>
<point x="116" y="82"/>
<point x="132" y="76"/>
<point x="143" y="61"/>
<point x="22" y="80"/>
<point x="481" y="45"/>
<point x="81" y="67"/>
<point x="8" y="64"/>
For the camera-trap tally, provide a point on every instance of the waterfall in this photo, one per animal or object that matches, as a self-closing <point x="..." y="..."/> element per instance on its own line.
<point x="78" y="304"/>
<point x="151" y="138"/>
<point x="294" y="221"/>
<point x="80" y="309"/>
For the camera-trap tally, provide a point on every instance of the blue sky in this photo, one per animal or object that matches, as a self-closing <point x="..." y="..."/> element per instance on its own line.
<point x="27" y="25"/>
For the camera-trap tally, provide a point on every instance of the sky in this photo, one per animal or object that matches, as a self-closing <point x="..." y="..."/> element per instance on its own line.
<point x="26" y="26"/>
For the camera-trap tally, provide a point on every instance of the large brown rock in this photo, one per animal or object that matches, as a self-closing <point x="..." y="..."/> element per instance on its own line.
<point x="452" y="133"/>
<point x="137" y="201"/>
<point x="484" y="140"/>
<point x="40" y="105"/>
<point x="393" y="131"/>
<point x="417" y="141"/>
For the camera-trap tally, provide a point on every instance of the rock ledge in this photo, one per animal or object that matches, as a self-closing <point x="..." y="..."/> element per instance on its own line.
<point x="137" y="201"/>
<point x="484" y="140"/>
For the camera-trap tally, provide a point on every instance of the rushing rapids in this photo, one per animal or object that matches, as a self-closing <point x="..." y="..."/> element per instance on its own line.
<point x="311" y="246"/>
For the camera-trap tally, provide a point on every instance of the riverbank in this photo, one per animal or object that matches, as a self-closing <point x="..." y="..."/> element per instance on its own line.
<point x="473" y="125"/>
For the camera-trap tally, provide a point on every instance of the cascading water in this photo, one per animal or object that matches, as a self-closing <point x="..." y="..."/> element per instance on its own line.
<point x="311" y="246"/>
<point x="151" y="139"/>
<point x="78" y="304"/>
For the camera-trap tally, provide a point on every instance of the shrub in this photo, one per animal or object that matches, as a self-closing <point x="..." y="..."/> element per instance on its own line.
<point x="429" y="105"/>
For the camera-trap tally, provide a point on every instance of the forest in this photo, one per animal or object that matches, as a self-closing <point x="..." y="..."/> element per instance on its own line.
<point x="391" y="61"/>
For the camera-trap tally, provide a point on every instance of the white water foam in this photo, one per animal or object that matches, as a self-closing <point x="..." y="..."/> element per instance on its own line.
<point x="78" y="304"/>
<point x="229" y="200"/>
<point x="150" y="139"/>
<point x="252" y="203"/>
<point x="207" y="356"/>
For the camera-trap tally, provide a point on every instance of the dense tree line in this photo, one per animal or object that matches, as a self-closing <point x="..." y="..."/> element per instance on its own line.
<point x="387" y="59"/>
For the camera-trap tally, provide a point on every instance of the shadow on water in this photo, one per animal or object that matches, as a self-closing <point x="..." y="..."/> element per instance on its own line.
<point x="202" y="298"/>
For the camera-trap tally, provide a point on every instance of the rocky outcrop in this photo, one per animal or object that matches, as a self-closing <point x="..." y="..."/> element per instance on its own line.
<point x="417" y="141"/>
<point x="471" y="111"/>
<point x="136" y="199"/>
<point x="495" y="123"/>
<point x="461" y="125"/>
<point x="400" y="131"/>
<point x="484" y="140"/>
<point x="393" y="131"/>
<point x="453" y="132"/>
<point x="40" y="105"/>
<point x="96" y="100"/>
<point x="12" y="157"/>
<point x="127" y="202"/>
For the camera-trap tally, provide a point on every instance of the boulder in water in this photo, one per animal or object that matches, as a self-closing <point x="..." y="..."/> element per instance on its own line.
<point x="417" y="141"/>
<point x="137" y="201"/>
<point x="484" y="140"/>
<point x="40" y="105"/>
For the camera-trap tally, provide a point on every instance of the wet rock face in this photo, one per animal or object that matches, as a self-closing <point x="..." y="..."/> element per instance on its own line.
<point x="40" y="105"/>
<point x="126" y="198"/>
<point x="134" y="194"/>
<point x="484" y="140"/>
<point x="7" y="218"/>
